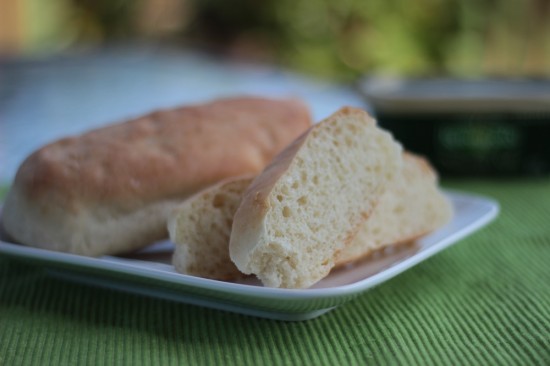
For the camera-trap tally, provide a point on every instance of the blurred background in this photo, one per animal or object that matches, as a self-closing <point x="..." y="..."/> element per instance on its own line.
<point x="340" y="39"/>
<point x="70" y="65"/>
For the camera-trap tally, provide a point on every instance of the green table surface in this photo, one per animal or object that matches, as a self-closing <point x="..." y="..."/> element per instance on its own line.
<point x="484" y="301"/>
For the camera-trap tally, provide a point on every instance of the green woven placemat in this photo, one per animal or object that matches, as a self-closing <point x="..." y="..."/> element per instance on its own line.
<point x="484" y="301"/>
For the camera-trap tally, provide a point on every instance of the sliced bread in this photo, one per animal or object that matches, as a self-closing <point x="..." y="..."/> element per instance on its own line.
<point x="200" y="229"/>
<point x="311" y="200"/>
<point x="411" y="207"/>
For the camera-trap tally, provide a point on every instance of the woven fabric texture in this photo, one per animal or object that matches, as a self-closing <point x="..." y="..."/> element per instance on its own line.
<point x="484" y="301"/>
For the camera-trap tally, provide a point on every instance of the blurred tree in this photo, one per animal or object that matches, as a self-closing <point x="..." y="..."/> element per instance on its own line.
<point x="338" y="39"/>
<point x="347" y="38"/>
<point x="102" y="20"/>
<point x="34" y="26"/>
<point x="245" y="28"/>
<point x="162" y="18"/>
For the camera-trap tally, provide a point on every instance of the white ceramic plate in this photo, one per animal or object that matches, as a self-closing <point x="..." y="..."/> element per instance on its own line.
<point x="149" y="273"/>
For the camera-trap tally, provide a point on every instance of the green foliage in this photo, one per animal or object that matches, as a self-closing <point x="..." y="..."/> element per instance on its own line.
<point x="416" y="38"/>
<point x="346" y="38"/>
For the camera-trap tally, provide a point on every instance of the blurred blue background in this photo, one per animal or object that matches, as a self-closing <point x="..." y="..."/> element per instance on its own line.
<point x="70" y="65"/>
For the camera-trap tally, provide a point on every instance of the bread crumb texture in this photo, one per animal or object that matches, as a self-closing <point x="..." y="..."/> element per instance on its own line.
<point x="411" y="206"/>
<point x="200" y="229"/>
<point x="303" y="209"/>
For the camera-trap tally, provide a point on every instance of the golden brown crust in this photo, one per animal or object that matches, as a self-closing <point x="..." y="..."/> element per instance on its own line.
<point x="148" y="158"/>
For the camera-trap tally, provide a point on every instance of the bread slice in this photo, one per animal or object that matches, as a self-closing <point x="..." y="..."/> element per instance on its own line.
<point x="110" y="190"/>
<point x="303" y="209"/>
<point x="200" y="229"/>
<point x="411" y="207"/>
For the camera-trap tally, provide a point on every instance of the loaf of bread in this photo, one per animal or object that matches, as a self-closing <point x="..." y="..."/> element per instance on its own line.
<point x="110" y="190"/>
<point x="200" y="228"/>
<point x="312" y="199"/>
<point x="412" y="206"/>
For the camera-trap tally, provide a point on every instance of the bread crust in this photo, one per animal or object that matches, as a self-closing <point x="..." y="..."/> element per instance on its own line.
<point x="78" y="194"/>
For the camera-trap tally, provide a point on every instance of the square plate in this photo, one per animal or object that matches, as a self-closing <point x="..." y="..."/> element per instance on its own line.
<point x="149" y="272"/>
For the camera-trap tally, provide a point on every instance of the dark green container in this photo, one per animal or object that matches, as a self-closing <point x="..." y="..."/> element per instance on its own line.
<point x="468" y="128"/>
